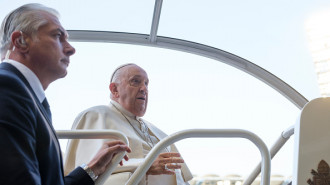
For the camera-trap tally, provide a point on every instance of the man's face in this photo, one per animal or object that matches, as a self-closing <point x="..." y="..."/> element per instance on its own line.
<point x="133" y="90"/>
<point x="49" y="50"/>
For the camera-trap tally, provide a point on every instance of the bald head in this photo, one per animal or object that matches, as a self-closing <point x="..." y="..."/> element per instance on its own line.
<point x="129" y="87"/>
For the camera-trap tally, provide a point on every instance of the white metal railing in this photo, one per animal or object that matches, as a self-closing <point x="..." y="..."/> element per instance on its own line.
<point x="206" y="133"/>
<point x="97" y="134"/>
<point x="285" y="136"/>
<point x="265" y="165"/>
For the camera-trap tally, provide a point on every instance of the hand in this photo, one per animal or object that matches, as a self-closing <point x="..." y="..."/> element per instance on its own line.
<point x="169" y="159"/>
<point x="104" y="156"/>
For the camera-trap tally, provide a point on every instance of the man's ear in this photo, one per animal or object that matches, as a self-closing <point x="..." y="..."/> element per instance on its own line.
<point x="19" y="42"/>
<point x="114" y="90"/>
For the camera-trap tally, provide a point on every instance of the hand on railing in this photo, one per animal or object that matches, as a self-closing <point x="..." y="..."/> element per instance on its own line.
<point x="102" y="159"/>
<point x="165" y="163"/>
<point x="155" y="151"/>
<point x="112" y="152"/>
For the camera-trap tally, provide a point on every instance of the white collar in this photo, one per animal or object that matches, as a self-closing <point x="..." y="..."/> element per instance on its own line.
<point x="123" y="110"/>
<point x="30" y="77"/>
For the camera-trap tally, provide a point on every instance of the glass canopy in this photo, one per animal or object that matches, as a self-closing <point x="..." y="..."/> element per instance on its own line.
<point x="185" y="47"/>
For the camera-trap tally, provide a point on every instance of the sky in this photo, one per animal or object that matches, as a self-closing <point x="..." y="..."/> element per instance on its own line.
<point x="187" y="91"/>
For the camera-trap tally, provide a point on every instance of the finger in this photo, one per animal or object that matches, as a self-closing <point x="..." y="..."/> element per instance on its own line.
<point x="111" y="151"/>
<point x="118" y="148"/>
<point x="173" y="166"/>
<point x="175" y="160"/>
<point x="171" y="160"/>
<point x="126" y="158"/>
<point x="121" y="163"/>
<point x="170" y="154"/>
<point x="115" y="142"/>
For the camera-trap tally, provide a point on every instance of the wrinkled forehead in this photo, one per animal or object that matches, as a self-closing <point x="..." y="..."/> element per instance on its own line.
<point x="131" y="71"/>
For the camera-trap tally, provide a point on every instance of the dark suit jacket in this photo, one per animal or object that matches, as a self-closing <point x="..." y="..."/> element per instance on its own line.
<point x="29" y="149"/>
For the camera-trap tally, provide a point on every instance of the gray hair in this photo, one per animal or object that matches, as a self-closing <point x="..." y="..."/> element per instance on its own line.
<point x="117" y="73"/>
<point x="115" y="77"/>
<point x="27" y="18"/>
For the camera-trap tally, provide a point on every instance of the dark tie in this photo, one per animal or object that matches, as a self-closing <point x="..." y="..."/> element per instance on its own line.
<point x="46" y="106"/>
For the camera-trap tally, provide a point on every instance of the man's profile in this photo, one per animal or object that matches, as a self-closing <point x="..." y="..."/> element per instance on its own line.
<point x="35" y="52"/>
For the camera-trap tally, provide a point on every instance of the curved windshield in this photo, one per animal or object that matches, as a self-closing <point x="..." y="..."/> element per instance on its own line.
<point x="186" y="91"/>
<point x="190" y="91"/>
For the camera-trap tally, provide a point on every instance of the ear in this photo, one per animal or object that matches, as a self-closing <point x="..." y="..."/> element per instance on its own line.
<point x="114" y="90"/>
<point x="19" y="42"/>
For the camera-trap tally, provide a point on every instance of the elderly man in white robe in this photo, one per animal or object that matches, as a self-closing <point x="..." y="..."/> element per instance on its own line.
<point x="129" y="99"/>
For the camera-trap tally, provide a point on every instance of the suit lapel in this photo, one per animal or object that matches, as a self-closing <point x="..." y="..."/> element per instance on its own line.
<point x="11" y="68"/>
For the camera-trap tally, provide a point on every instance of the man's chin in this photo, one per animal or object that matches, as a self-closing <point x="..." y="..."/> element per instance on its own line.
<point x="141" y="112"/>
<point x="64" y="74"/>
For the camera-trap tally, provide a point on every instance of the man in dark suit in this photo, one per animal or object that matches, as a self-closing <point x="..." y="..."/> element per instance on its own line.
<point x="34" y="53"/>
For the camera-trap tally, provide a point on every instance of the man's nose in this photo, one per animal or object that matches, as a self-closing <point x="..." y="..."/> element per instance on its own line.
<point x="69" y="50"/>
<point x="144" y="88"/>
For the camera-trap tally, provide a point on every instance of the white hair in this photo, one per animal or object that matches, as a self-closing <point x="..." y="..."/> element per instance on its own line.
<point x="115" y="77"/>
<point x="117" y="73"/>
<point x="27" y="18"/>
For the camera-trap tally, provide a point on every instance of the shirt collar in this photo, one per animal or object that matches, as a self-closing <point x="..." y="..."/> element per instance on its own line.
<point x="30" y="77"/>
<point x="123" y="110"/>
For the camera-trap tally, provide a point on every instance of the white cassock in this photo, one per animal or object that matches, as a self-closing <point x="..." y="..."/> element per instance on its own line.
<point x="115" y="117"/>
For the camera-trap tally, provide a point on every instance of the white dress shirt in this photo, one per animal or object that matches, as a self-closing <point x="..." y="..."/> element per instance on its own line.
<point x="30" y="77"/>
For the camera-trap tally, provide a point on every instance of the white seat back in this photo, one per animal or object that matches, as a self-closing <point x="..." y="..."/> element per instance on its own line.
<point x="312" y="143"/>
